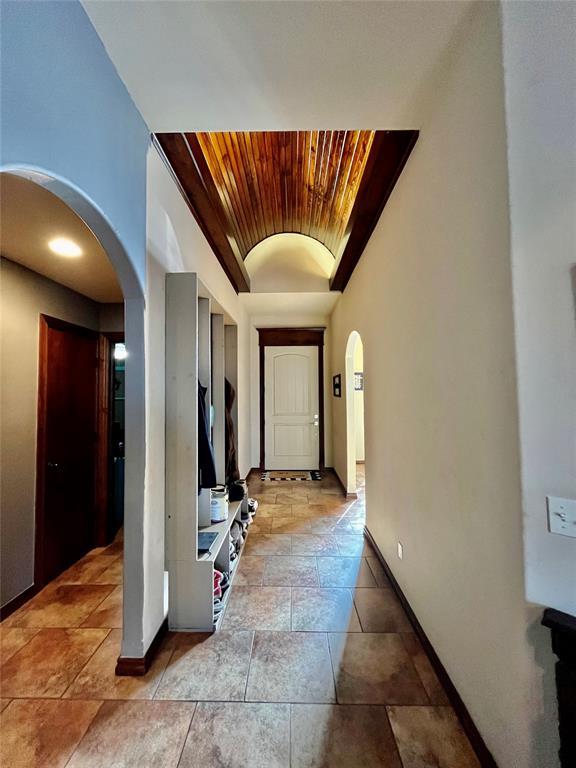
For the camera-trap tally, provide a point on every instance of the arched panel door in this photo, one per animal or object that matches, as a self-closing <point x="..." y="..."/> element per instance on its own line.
<point x="291" y="408"/>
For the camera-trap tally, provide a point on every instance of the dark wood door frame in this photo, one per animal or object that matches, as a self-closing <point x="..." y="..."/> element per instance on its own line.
<point x="292" y="337"/>
<point x="47" y="322"/>
<point x="102" y="372"/>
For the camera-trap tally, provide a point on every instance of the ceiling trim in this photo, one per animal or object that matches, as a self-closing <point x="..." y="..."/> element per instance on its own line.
<point x="241" y="188"/>
<point x="196" y="189"/>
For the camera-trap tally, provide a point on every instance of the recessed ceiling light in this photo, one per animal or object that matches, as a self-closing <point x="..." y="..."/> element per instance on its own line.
<point x="64" y="247"/>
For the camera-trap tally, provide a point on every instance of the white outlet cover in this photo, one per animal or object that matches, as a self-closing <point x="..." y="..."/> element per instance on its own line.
<point x="561" y="516"/>
<point x="400" y="551"/>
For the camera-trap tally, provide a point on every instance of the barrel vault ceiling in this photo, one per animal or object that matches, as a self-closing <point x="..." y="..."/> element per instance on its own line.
<point x="243" y="187"/>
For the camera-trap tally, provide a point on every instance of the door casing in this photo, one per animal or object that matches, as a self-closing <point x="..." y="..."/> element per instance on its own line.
<point x="102" y="429"/>
<point x="292" y="337"/>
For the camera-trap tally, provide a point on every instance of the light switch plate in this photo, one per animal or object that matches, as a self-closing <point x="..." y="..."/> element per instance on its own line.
<point x="400" y="551"/>
<point x="561" y="516"/>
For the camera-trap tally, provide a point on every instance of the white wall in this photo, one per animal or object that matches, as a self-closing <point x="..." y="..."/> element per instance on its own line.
<point x="176" y="244"/>
<point x="432" y="301"/>
<point x="539" y="40"/>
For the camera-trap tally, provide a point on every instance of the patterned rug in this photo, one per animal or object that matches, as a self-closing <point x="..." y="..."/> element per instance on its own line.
<point x="289" y="476"/>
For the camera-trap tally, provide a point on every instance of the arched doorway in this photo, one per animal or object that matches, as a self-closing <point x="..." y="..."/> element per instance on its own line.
<point x="135" y="413"/>
<point x="354" y="413"/>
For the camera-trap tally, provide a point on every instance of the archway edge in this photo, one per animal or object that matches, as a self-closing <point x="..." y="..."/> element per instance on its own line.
<point x="134" y="641"/>
<point x="93" y="217"/>
<point x="353" y="340"/>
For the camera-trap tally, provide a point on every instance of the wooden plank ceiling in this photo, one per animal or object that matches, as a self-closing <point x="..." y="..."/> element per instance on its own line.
<point x="246" y="186"/>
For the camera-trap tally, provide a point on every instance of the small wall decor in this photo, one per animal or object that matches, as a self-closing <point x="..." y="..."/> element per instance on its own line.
<point x="337" y="385"/>
<point x="359" y="381"/>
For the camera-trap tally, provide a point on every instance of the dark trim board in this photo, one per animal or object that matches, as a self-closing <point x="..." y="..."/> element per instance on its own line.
<point x="478" y="744"/>
<point x="18" y="601"/>
<point x="131" y="666"/>
<point x="388" y="156"/>
<point x="292" y="337"/>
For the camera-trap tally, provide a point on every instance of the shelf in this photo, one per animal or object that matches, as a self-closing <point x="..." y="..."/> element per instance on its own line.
<point x="222" y="529"/>
<point x="233" y="569"/>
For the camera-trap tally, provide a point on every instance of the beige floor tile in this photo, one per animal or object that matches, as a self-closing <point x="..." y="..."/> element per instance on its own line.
<point x="60" y="606"/>
<point x="43" y="733"/>
<point x="379" y="573"/>
<point x="135" y="734"/>
<point x="321" y="545"/>
<point x="330" y="524"/>
<point x="109" y="612"/>
<point x="261" y="525"/>
<point x="325" y="736"/>
<point x="374" y="669"/>
<point x="208" y="667"/>
<point x="308" y="510"/>
<point x="49" y="662"/>
<point x="429" y="737"/>
<point x="290" y="571"/>
<point x="345" y="572"/>
<point x="98" y="680"/>
<point x="434" y="689"/>
<point x="238" y="735"/>
<point x="324" y="610"/>
<point x="380" y="611"/>
<point x="291" y="525"/>
<point x="250" y="571"/>
<point x="290" y="667"/>
<point x="258" y="608"/>
<point x="113" y="574"/>
<point x="266" y="509"/>
<point x="268" y="544"/>
<point x="12" y="639"/>
<point x="87" y="570"/>
<point x="354" y="546"/>
<point x="354" y="526"/>
<point x="293" y="497"/>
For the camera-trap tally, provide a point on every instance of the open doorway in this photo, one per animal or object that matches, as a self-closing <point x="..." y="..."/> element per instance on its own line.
<point x="62" y="431"/>
<point x="355" y="441"/>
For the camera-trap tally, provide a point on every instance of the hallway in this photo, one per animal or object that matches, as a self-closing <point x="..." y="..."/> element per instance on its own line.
<point x="316" y="664"/>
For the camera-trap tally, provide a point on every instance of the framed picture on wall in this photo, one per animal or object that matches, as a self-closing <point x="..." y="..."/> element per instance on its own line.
<point x="337" y="385"/>
<point x="359" y="381"/>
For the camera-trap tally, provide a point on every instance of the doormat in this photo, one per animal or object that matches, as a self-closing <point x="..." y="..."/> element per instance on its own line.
<point x="286" y="476"/>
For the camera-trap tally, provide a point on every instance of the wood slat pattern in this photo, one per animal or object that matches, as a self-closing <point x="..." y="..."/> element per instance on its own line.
<point x="244" y="187"/>
<point x="287" y="181"/>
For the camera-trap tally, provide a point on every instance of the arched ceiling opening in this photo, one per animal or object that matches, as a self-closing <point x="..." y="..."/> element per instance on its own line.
<point x="289" y="263"/>
<point x="244" y="187"/>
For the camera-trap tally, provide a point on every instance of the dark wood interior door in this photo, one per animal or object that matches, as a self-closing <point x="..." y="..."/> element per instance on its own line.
<point x="67" y="443"/>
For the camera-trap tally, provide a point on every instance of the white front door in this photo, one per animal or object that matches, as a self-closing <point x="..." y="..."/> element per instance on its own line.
<point x="291" y="417"/>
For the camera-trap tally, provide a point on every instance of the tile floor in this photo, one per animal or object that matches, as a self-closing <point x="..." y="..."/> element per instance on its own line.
<point x="316" y="665"/>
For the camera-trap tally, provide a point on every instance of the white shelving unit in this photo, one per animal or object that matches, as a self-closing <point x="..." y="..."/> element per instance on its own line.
<point x="201" y="347"/>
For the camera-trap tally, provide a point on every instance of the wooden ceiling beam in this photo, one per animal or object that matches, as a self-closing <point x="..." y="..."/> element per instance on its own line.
<point x="388" y="155"/>
<point x="195" y="187"/>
